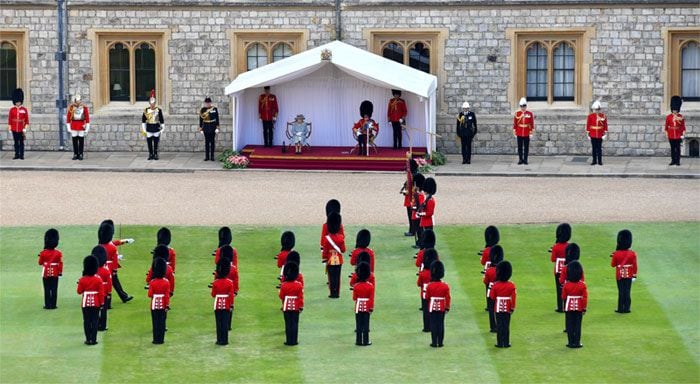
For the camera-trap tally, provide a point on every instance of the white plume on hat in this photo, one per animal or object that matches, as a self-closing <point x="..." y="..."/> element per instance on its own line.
<point x="77" y="97"/>
<point x="465" y="104"/>
<point x="523" y="101"/>
<point x="595" y="105"/>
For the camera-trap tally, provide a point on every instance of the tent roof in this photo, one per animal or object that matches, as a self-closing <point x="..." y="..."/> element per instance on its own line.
<point x="357" y="62"/>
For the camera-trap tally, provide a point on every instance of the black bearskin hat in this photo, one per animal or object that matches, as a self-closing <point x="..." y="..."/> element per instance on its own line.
<point x="161" y="252"/>
<point x="163" y="236"/>
<point x="333" y="222"/>
<point x="574" y="271"/>
<point x="89" y="265"/>
<point x="366" y="108"/>
<point x="51" y="239"/>
<point x="100" y="253"/>
<point x="429" y="257"/>
<point x="563" y="233"/>
<point x="288" y="241"/>
<point x="491" y="236"/>
<point x="17" y="96"/>
<point x="419" y="180"/>
<point x="504" y="271"/>
<point x="291" y="271"/>
<point x="362" y="257"/>
<point x="429" y="186"/>
<point x="395" y="92"/>
<point x="225" y="236"/>
<point x="496" y="255"/>
<point x="332" y="205"/>
<point x="159" y="267"/>
<point x="108" y="221"/>
<point x="413" y="166"/>
<point x="428" y="239"/>
<point x="573" y="252"/>
<point x="294" y="256"/>
<point x="227" y="252"/>
<point x="363" y="238"/>
<point x="363" y="271"/>
<point x="676" y="102"/>
<point x="106" y="232"/>
<point x="437" y="271"/>
<point x="624" y="240"/>
<point x="223" y="268"/>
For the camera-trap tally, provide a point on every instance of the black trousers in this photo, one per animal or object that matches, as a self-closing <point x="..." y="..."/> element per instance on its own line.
<point x="362" y="142"/>
<point x="411" y="229"/>
<point x="334" y="279"/>
<point x="118" y="287"/>
<point x="597" y="146"/>
<point x="424" y="305"/>
<point x="90" y="318"/>
<point x="268" y="131"/>
<point x="102" y="322"/>
<point x="209" y="146"/>
<point x="78" y="145"/>
<point x="492" y="316"/>
<point x="50" y="292"/>
<point x="503" y="329"/>
<point x="158" y="320"/>
<point x="230" y="319"/>
<point x="222" y="317"/>
<point x="419" y="232"/>
<point x="362" y="328"/>
<point x="398" y="135"/>
<point x="560" y="304"/>
<point x="153" y="145"/>
<point x="416" y="230"/>
<point x="437" y="327"/>
<point x="675" y="151"/>
<point x="18" y="138"/>
<point x="624" y="300"/>
<point x="466" y="142"/>
<point x="291" y="327"/>
<point x="523" y="148"/>
<point x="573" y="327"/>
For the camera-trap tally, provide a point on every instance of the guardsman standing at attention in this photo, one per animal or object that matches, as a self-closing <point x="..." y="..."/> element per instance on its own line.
<point x="558" y="257"/>
<point x="675" y="129"/>
<point x="159" y="292"/>
<point x="597" y="128"/>
<point x="491" y="238"/>
<point x="426" y="209"/>
<point x="222" y="291"/>
<point x="624" y="260"/>
<point x="292" y="296"/>
<point x="496" y="255"/>
<point x="363" y="295"/>
<point x="466" y="130"/>
<point x="267" y="111"/>
<point x="396" y="113"/>
<point x="90" y="287"/>
<point x="523" y="126"/>
<point x="51" y="261"/>
<point x="78" y="125"/>
<point x="333" y="247"/>
<point x="106" y="275"/>
<point x="503" y="295"/>
<point x="152" y="125"/>
<point x="209" y="126"/>
<point x="18" y="122"/>
<point x="575" y="296"/>
<point x="437" y="294"/>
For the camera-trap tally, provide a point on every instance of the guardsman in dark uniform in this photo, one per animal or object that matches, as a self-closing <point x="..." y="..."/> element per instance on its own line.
<point x="267" y="111"/>
<point x="466" y="130"/>
<point x="437" y="294"/>
<point x="292" y="296"/>
<point x="18" y="122"/>
<point x="159" y="292"/>
<point x="575" y="296"/>
<point x="675" y="129"/>
<point x="363" y="295"/>
<point x="78" y="125"/>
<point x="496" y="256"/>
<point x="597" y="129"/>
<point x="209" y="126"/>
<point x="396" y="114"/>
<point x="523" y="126"/>
<point x="90" y="287"/>
<point x="106" y="275"/>
<point x="51" y="261"/>
<point x="223" y="292"/>
<point x="558" y="257"/>
<point x="503" y="295"/>
<point x="152" y="125"/>
<point x="624" y="260"/>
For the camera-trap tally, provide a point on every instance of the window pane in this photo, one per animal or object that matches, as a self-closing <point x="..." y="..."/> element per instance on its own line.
<point x="145" y="71"/>
<point x="281" y="51"/>
<point x="119" y="87"/>
<point x="564" y="71"/>
<point x="393" y="51"/>
<point x="690" y="72"/>
<point x="8" y="70"/>
<point x="257" y="56"/>
<point x="419" y="57"/>
<point x="536" y="80"/>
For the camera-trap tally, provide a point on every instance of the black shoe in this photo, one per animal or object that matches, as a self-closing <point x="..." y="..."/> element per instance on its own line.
<point x="558" y="310"/>
<point x="426" y="330"/>
<point x="75" y="157"/>
<point x="155" y="157"/>
<point x="150" y="157"/>
<point x="677" y="165"/>
<point x="564" y="331"/>
<point x="128" y="299"/>
<point x="15" y="158"/>
<point x="469" y="161"/>
<point x="440" y="345"/>
<point x="80" y="157"/>
<point x="519" y="163"/>
<point x="433" y="345"/>
<point x="212" y="159"/>
<point x="600" y="163"/>
<point x="157" y="342"/>
<point x="464" y="162"/>
<point x="415" y="246"/>
<point x="101" y="330"/>
<point x="22" y="158"/>
<point x="506" y="346"/>
<point x="290" y="344"/>
<point x="672" y="163"/>
<point x="524" y="162"/>
<point x="206" y="159"/>
<point x="367" y="344"/>
<point x="408" y="234"/>
<point x="493" y="331"/>
<point x="498" y="346"/>
<point x="594" y="163"/>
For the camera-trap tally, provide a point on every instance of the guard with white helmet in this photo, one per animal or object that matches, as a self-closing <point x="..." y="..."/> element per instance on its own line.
<point x="523" y="126"/>
<point x="152" y="125"/>
<point x="466" y="130"/>
<point x="78" y="125"/>
<point x="597" y="128"/>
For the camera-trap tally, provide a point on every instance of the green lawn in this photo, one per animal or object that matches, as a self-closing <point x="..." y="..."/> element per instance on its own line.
<point x="657" y="342"/>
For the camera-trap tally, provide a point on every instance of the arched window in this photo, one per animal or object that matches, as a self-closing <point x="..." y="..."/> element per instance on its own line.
<point x="690" y="71"/>
<point x="257" y="56"/>
<point x="536" y="72"/>
<point x="8" y="70"/>
<point x="393" y="51"/>
<point x="119" y="73"/>
<point x="144" y="70"/>
<point x="564" y="70"/>
<point x="419" y="57"/>
<point x="281" y="51"/>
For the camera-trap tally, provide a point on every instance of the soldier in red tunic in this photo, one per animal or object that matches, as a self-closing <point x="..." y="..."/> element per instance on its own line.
<point x="364" y="237"/>
<point x="491" y="238"/>
<point x="106" y="275"/>
<point x="408" y="191"/>
<point x="365" y="129"/>
<point x="558" y="256"/>
<point x="416" y="201"/>
<point x="18" y="122"/>
<point x="267" y="111"/>
<point x="78" y="125"/>
<point x="523" y="126"/>
<point x="396" y="114"/>
<point x="333" y="245"/>
<point x="427" y="242"/>
<point x="159" y="292"/>
<point x="437" y="294"/>
<point x="675" y="129"/>
<point x="164" y="237"/>
<point x="222" y="291"/>
<point x="496" y="255"/>
<point x="575" y="296"/>
<point x="161" y="251"/>
<point x="363" y="257"/>
<point x="288" y="241"/>
<point x="292" y="296"/>
<point x="363" y="295"/>
<point x="228" y="253"/>
<point x="503" y="295"/>
<point x="105" y="235"/>
<point x="573" y="252"/>
<point x="51" y="261"/>
<point x="295" y="258"/>
<point x="597" y="129"/>
<point x="426" y="209"/>
<point x="430" y="255"/>
<point x="332" y="205"/>
<point x="90" y="287"/>
<point x="624" y="260"/>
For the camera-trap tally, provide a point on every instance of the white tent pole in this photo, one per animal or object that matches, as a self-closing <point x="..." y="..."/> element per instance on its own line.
<point x="234" y="127"/>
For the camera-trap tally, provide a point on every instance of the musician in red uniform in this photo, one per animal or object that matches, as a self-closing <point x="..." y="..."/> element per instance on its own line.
<point x="416" y="201"/>
<point x="624" y="260"/>
<point x="90" y="287"/>
<point x="267" y="111"/>
<point x="575" y="296"/>
<point x="363" y="257"/>
<point x="396" y="114"/>
<point x="430" y="255"/>
<point x="288" y="241"/>
<point x="164" y="237"/>
<point x="364" y="237"/>
<point x="597" y="129"/>
<point x="365" y="129"/>
<point x="159" y="292"/>
<point x="106" y="275"/>
<point x="496" y="255"/>
<point x="78" y="125"/>
<point x="558" y="256"/>
<point x="408" y="191"/>
<point x="18" y="122"/>
<point x="427" y="242"/>
<point x="491" y="238"/>
<point x="437" y="294"/>
<point x="363" y="295"/>
<point x="426" y="209"/>
<point x="292" y="296"/>
<point x="523" y="127"/>
<point x="675" y="129"/>
<point x="222" y="291"/>
<point x="503" y="295"/>
<point x="332" y="253"/>
<point x="51" y="261"/>
<point x="105" y="236"/>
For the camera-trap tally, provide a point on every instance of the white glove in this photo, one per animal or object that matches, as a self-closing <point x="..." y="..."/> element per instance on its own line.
<point x="162" y="128"/>
<point x="143" y="127"/>
<point x="274" y="118"/>
<point x="682" y="137"/>
<point x="634" y="279"/>
<point x="531" y="136"/>
<point x="216" y="130"/>
<point x="120" y="257"/>
<point x="68" y="128"/>
<point x="87" y="128"/>
<point x="201" y="131"/>
<point x="402" y="121"/>
<point x="129" y="241"/>
<point x="589" y="138"/>
<point x="605" y="137"/>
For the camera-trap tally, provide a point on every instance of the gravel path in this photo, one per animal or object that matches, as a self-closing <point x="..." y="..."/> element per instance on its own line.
<point x="274" y="198"/>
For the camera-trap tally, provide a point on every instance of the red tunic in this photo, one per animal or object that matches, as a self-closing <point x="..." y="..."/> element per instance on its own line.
<point x="625" y="263"/>
<point x="159" y="287"/>
<point x="426" y="218"/>
<point x="675" y="126"/>
<point x="217" y="256"/>
<point x="324" y="232"/>
<point x="596" y="125"/>
<point x="353" y="279"/>
<point x="169" y="275"/>
<point x="419" y="259"/>
<point x="360" y="123"/>
<point x="438" y="295"/>
<point x="233" y="276"/>
<point x="486" y="257"/>
<point x="328" y="250"/>
<point x="423" y="281"/>
<point x="224" y="289"/>
<point x="112" y="256"/>
<point x="77" y="125"/>
<point x="523" y="123"/>
<point x="171" y="258"/>
<point x="92" y="290"/>
<point x="106" y="275"/>
<point x="300" y="279"/>
<point x="52" y="262"/>
<point x="282" y="258"/>
<point x="575" y="296"/>
<point x="562" y="276"/>
<point x="419" y="200"/>
<point x="363" y="290"/>
<point x="357" y="251"/>
<point x="292" y="294"/>
<point x="18" y="118"/>
<point x="489" y="279"/>
<point x="503" y="294"/>
<point x="397" y="109"/>
<point x="558" y="256"/>
<point x="267" y="107"/>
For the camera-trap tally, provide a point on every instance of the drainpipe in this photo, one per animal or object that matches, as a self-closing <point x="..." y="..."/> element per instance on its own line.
<point x="60" y="57"/>
<point x="337" y="21"/>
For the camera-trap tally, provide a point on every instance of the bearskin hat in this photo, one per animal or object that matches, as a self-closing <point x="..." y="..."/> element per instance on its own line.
<point x="366" y="108"/>
<point x="428" y="239"/>
<point x="17" y="96"/>
<point x="363" y="271"/>
<point x="294" y="257"/>
<point x="430" y="186"/>
<point x="163" y="236"/>
<point x="161" y="251"/>
<point x="563" y="233"/>
<point x="90" y="265"/>
<point x="100" y="253"/>
<point x="676" y="103"/>
<point x="362" y="257"/>
<point x="491" y="236"/>
<point x="158" y="268"/>
<point x="395" y="92"/>
<point x="332" y="205"/>
<point x="333" y="222"/>
<point x="437" y="271"/>
<point x="496" y="255"/>
<point x="419" y="180"/>
<point x="573" y="252"/>
<point x="108" y="221"/>
<point x="288" y="241"/>
<point x="363" y="238"/>
<point x="291" y="271"/>
<point x="504" y="271"/>
<point x="51" y="239"/>
<point x="413" y="166"/>
<point x="429" y="257"/>
<point x="574" y="271"/>
<point x="223" y="268"/>
<point x="624" y="240"/>
<point x="225" y="236"/>
<point x="227" y="252"/>
<point x="105" y="233"/>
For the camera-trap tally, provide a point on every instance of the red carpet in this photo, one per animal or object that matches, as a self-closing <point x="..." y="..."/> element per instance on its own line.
<point x="328" y="158"/>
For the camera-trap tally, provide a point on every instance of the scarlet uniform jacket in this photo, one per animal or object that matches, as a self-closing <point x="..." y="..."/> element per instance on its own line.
<point x="71" y="117"/>
<point x="596" y="125"/>
<point x="419" y="260"/>
<point x="339" y="240"/>
<point x="523" y="123"/>
<point x="324" y="232"/>
<point x="112" y="256"/>
<point x="292" y="289"/>
<point x="423" y="281"/>
<point x="505" y="291"/>
<point x="486" y="257"/>
<point x="397" y="109"/>
<point x="159" y="287"/>
<point x="675" y="126"/>
<point x="52" y="262"/>
<point x="575" y="296"/>
<point x="426" y="219"/>
<point x="558" y="256"/>
<point x="223" y="287"/>
<point x="353" y="279"/>
<point x="357" y="251"/>
<point x="363" y="290"/>
<point x="169" y="275"/>
<point x="300" y="279"/>
<point x="106" y="275"/>
<point x="18" y="118"/>
<point x="489" y="279"/>
<point x="217" y="257"/>
<point x="92" y="290"/>
<point x="625" y="263"/>
<point x="441" y="291"/>
<point x="171" y="258"/>
<point x="267" y="107"/>
<point x="282" y="258"/>
<point x="563" y="275"/>
<point x="357" y="127"/>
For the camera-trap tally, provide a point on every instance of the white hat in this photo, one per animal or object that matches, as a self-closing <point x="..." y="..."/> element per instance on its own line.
<point x="76" y="97"/>
<point x="595" y="105"/>
<point x="523" y="102"/>
<point x="465" y="104"/>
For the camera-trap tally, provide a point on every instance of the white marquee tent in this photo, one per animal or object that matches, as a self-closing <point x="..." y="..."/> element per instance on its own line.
<point x="329" y="93"/>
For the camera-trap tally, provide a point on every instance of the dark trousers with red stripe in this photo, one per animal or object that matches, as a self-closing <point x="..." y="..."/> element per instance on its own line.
<point x="118" y="286"/>
<point x="675" y="150"/>
<point x="334" y="279"/>
<point x="624" y="299"/>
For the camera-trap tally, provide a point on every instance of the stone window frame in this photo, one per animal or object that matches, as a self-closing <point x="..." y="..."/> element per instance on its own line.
<point x="19" y="38"/>
<point x="433" y="38"/>
<point x="242" y="39"/>
<point x="674" y="40"/>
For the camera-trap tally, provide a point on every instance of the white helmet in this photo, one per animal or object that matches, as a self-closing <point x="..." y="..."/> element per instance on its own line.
<point x="595" y="105"/>
<point x="523" y="102"/>
<point x="465" y="105"/>
<point x="77" y="98"/>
